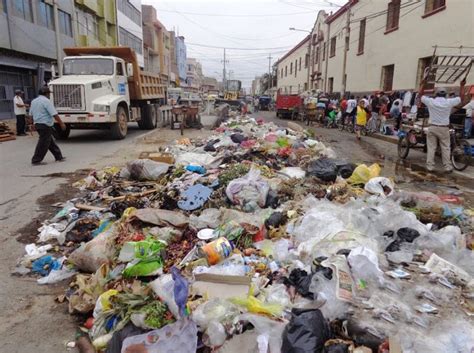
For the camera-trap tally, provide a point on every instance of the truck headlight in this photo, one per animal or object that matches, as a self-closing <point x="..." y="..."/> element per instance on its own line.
<point x="101" y="108"/>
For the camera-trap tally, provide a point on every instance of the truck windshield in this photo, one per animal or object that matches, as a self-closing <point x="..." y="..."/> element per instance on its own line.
<point x="88" y="66"/>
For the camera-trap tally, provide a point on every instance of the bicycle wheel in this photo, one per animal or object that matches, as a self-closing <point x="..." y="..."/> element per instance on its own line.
<point x="403" y="147"/>
<point x="461" y="155"/>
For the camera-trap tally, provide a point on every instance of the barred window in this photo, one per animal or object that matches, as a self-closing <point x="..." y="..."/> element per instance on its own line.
<point x="127" y="39"/>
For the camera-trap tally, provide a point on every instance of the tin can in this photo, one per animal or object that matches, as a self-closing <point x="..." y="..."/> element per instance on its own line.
<point x="217" y="250"/>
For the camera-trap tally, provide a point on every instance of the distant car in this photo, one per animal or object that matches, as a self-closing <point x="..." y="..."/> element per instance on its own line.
<point x="264" y="103"/>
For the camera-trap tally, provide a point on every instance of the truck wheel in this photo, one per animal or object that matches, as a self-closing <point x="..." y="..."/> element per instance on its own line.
<point x="61" y="134"/>
<point x="148" y="120"/>
<point x="118" y="130"/>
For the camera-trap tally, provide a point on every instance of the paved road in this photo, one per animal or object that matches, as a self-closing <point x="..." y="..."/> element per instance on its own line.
<point x="30" y="320"/>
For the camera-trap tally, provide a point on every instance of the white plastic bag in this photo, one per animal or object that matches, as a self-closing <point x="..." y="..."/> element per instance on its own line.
<point x="144" y="169"/>
<point x="249" y="188"/>
<point x="163" y="287"/>
<point x="380" y="186"/>
<point x="56" y="276"/>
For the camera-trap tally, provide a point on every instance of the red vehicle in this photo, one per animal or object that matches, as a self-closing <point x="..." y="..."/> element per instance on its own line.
<point x="287" y="105"/>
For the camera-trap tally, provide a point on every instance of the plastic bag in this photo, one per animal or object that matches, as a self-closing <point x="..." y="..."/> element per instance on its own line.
<point x="144" y="169"/>
<point x="362" y="174"/>
<point x="272" y="330"/>
<point x="56" y="276"/>
<point x="249" y="188"/>
<point x="324" y="169"/>
<point x="163" y="287"/>
<point x="364" y="266"/>
<point x="256" y="306"/>
<point x="179" y="336"/>
<point x="100" y="250"/>
<point x="34" y="252"/>
<point x="209" y="218"/>
<point x="216" y="309"/>
<point x="307" y="332"/>
<point x="380" y="186"/>
<point x="292" y="172"/>
<point x="161" y="217"/>
<point x="44" y="265"/>
<point x="53" y="231"/>
<point x="215" y="335"/>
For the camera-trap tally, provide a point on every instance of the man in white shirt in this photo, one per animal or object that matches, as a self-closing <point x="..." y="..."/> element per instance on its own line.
<point x="469" y="116"/>
<point x="438" y="132"/>
<point x="351" y="108"/>
<point x="19" y="107"/>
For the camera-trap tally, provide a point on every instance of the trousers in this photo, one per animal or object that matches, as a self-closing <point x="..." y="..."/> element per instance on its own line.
<point x="435" y="135"/>
<point x="468" y="127"/>
<point x="20" y="124"/>
<point x="45" y="142"/>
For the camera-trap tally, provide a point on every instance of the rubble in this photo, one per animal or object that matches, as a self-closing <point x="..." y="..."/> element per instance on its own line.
<point x="260" y="231"/>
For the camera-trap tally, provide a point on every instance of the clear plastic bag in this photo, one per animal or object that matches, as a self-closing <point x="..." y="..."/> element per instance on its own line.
<point x="144" y="169"/>
<point x="250" y="188"/>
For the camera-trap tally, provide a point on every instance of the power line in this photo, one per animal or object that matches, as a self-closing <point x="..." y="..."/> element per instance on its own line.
<point x="236" y="15"/>
<point x="234" y="48"/>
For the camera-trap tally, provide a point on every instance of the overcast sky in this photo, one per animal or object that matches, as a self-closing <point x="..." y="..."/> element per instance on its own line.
<point x="250" y="24"/>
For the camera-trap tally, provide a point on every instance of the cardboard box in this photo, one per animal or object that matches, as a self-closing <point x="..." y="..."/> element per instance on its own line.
<point x="221" y="286"/>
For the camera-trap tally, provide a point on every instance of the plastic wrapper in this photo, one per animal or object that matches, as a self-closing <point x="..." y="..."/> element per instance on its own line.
<point x="56" y="276"/>
<point x="362" y="174"/>
<point x="270" y="329"/>
<point x="217" y="309"/>
<point x="250" y="188"/>
<point x="144" y="169"/>
<point x="292" y="172"/>
<point x="256" y="306"/>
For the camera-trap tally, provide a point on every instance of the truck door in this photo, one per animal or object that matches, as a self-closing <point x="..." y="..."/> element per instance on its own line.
<point x="122" y="82"/>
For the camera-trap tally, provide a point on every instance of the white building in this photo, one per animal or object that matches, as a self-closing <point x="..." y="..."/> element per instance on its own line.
<point x="129" y="26"/>
<point x="292" y="69"/>
<point x="390" y="43"/>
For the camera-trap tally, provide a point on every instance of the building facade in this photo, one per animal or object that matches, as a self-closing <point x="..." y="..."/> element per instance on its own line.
<point x="157" y="44"/>
<point x="374" y="45"/>
<point x="28" y="45"/>
<point x="129" y="26"/>
<point x="95" y="23"/>
<point x="194" y="76"/>
<point x="292" y="69"/>
<point x="256" y="87"/>
<point x="209" y="85"/>
<point x="181" y="59"/>
<point x="174" y="80"/>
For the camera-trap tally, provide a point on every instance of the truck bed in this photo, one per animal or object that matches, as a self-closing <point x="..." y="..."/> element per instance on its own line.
<point x="143" y="85"/>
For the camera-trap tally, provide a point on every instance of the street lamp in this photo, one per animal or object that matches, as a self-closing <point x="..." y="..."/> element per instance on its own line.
<point x="309" y="51"/>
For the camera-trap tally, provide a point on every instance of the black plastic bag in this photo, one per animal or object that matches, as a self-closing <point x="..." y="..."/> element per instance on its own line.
<point x="324" y="169"/>
<point x="237" y="138"/>
<point x="345" y="169"/>
<point x="275" y="220"/>
<point x="408" y="234"/>
<point x="307" y="332"/>
<point x="301" y="280"/>
<point x="272" y="200"/>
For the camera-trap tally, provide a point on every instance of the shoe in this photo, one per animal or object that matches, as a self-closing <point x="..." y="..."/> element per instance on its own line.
<point x="38" y="163"/>
<point x="62" y="159"/>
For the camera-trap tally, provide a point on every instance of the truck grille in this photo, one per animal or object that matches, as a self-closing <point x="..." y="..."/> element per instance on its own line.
<point x="67" y="96"/>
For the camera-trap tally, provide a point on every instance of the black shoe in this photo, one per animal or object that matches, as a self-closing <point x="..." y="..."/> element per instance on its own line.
<point x="62" y="159"/>
<point x="38" y="163"/>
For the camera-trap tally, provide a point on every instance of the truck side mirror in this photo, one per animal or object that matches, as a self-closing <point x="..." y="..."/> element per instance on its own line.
<point x="54" y="71"/>
<point x="130" y="69"/>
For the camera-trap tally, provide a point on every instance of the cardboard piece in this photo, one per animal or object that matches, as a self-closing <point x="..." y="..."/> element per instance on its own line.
<point x="220" y="286"/>
<point x="158" y="157"/>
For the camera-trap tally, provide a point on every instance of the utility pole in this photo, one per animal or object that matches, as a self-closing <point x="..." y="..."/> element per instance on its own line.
<point x="59" y="56"/>
<point x="224" y="81"/>
<point x="346" y="48"/>
<point x="269" y="72"/>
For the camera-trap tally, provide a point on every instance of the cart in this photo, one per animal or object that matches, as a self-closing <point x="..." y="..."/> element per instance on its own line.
<point x="185" y="117"/>
<point x="444" y="69"/>
<point x="310" y="113"/>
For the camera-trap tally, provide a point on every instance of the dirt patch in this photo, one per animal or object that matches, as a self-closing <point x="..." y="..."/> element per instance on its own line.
<point x="64" y="191"/>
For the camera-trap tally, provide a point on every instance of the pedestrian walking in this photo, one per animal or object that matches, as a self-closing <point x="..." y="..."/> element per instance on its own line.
<point x="438" y="131"/>
<point x="44" y="116"/>
<point x="469" y="116"/>
<point x="375" y="104"/>
<point x="19" y="107"/>
<point x="396" y="113"/>
<point x="361" y="117"/>
<point x="351" y="109"/>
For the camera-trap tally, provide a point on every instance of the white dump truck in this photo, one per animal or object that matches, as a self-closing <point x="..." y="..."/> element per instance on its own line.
<point x="104" y="88"/>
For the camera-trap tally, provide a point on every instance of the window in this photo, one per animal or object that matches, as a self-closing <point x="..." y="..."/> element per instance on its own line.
<point x="119" y="69"/>
<point x="125" y="7"/>
<point x="65" y="23"/>
<point x="291" y="68"/>
<point x="306" y="61"/>
<point x="434" y="5"/>
<point x="324" y="51"/>
<point x="286" y="70"/>
<point x="281" y="73"/>
<point x="296" y="66"/>
<point x="393" y="15"/>
<point x="361" y="37"/>
<point x="423" y="65"/>
<point x="127" y="39"/>
<point x="22" y="9"/>
<point x="387" y="77"/>
<point x="300" y="63"/>
<point x="45" y="15"/>
<point x="87" y="24"/>
<point x="317" y="55"/>
<point x="331" y="84"/>
<point x="332" y="51"/>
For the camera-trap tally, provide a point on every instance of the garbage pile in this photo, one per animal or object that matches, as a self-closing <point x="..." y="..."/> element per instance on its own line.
<point x="262" y="233"/>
